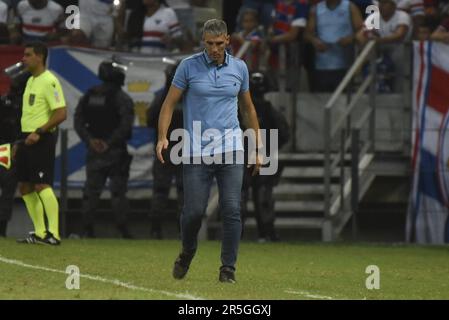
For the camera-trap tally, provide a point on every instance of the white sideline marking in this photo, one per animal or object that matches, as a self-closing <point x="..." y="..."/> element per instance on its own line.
<point x="104" y="280"/>
<point x="309" y="295"/>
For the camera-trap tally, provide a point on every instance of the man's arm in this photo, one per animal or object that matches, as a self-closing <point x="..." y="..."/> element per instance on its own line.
<point x="57" y="117"/>
<point x="398" y="35"/>
<point x="173" y="97"/>
<point x="310" y="33"/>
<point x="440" y="34"/>
<point x="357" y="24"/>
<point x="126" y="112"/>
<point x="79" y="122"/>
<point x="249" y="115"/>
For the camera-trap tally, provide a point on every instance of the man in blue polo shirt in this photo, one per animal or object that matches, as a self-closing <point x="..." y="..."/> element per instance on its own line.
<point x="212" y="84"/>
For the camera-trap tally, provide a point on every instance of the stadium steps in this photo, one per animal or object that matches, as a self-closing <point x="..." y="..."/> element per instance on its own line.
<point x="299" y="197"/>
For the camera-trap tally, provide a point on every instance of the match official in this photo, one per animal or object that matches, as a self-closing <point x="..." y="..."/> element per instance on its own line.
<point x="44" y="108"/>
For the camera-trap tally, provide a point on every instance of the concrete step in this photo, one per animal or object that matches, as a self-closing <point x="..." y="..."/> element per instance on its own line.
<point x="294" y="206"/>
<point x="281" y="223"/>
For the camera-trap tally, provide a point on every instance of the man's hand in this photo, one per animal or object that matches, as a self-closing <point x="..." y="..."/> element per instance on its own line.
<point x="162" y="144"/>
<point x="32" y="138"/>
<point x="346" y="41"/>
<point x="319" y="45"/>
<point x="255" y="160"/>
<point x="98" y="145"/>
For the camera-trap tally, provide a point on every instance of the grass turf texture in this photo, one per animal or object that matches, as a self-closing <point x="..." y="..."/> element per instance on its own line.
<point x="264" y="271"/>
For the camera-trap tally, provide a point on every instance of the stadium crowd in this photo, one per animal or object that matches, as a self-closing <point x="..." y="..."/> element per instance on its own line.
<point x="326" y="31"/>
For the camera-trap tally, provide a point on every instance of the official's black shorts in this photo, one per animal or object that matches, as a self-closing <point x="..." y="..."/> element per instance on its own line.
<point x="36" y="163"/>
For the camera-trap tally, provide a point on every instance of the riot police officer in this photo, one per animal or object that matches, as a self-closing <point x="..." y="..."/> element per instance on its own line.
<point x="163" y="174"/>
<point x="262" y="185"/>
<point x="103" y="120"/>
<point x="10" y="114"/>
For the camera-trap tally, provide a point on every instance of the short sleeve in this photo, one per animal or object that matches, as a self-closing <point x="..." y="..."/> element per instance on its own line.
<point x="245" y="77"/>
<point x="54" y="95"/>
<point x="173" y="23"/>
<point x="403" y="19"/>
<point x="180" y="78"/>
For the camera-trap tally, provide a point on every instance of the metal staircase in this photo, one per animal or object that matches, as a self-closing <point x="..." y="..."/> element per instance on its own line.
<point x="321" y="190"/>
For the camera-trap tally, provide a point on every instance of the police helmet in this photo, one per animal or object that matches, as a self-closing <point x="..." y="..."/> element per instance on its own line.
<point x="258" y="83"/>
<point x="110" y="71"/>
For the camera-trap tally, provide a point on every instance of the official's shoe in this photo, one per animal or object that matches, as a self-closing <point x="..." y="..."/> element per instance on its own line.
<point x="227" y="274"/>
<point x="51" y="240"/>
<point x="182" y="264"/>
<point x="32" y="238"/>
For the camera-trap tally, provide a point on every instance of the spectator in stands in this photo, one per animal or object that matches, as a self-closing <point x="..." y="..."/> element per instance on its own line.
<point x="395" y="25"/>
<point x="96" y="23"/>
<point x="264" y="8"/>
<point x="251" y="33"/>
<point x="4" y="34"/>
<point x="394" y="28"/>
<point x="37" y="20"/>
<point x="415" y="8"/>
<point x="154" y="28"/>
<point x="331" y="29"/>
<point x="289" y="22"/>
<point x="442" y="32"/>
<point x="425" y="30"/>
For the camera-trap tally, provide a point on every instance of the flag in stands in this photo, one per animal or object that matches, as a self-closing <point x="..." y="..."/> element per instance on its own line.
<point x="427" y="220"/>
<point x="5" y="155"/>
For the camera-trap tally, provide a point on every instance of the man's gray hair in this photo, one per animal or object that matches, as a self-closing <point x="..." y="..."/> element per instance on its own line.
<point x="215" y="27"/>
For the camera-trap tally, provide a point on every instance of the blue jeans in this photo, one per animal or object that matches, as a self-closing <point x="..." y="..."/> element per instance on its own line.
<point x="197" y="179"/>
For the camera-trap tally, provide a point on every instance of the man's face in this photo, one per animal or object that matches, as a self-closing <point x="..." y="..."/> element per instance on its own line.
<point x="215" y="46"/>
<point x="249" y="22"/>
<point x="386" y="8"/>
<point x="31" y="60"/>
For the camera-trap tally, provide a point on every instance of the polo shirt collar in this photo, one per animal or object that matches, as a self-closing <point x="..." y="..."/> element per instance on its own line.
<point x="209" y="61"/>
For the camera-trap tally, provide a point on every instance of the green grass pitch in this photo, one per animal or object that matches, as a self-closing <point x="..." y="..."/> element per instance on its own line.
<point x="141" y="269"/>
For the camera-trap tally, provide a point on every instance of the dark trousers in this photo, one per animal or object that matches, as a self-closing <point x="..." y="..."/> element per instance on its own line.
<point x="114" y="165"/>
<point x="8" y="185"/>
<point x="163" y="175"/>
<point x="327" y="80"/>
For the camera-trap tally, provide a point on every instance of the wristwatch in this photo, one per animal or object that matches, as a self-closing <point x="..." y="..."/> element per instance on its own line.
<point x="39" y="131"/>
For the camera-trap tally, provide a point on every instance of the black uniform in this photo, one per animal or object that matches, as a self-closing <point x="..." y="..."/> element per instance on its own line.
<point x="262" y="185"/>
<point x="106" y="113"/>
<point x="163" y="174"/>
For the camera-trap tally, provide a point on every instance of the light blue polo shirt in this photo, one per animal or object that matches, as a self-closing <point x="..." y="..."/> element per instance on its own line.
<point x="210" y="103"/>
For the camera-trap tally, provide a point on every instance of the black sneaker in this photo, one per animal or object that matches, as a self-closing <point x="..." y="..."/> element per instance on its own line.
<point x="51" y="240"/>
<point x="182" y="264"/>
<point x="227" y="275"/>
<point x="32" y="238"/>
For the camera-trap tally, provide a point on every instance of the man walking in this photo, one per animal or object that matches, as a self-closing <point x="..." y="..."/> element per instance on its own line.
<point x="212" y="82"/>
